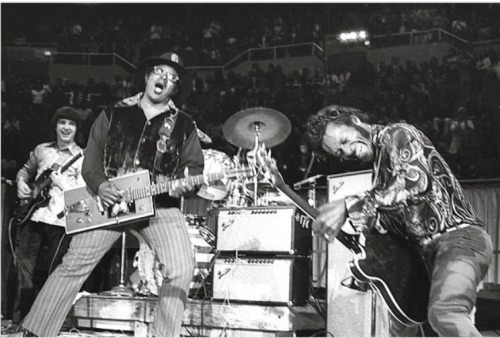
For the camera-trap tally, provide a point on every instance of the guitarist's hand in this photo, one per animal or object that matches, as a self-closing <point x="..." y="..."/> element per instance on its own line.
<point x="331" y="218"/>
<point x="109" y="193"/>
<point x="181" y="189"/>
<point x="23" y="189"/>
<point x="59" y="180"/>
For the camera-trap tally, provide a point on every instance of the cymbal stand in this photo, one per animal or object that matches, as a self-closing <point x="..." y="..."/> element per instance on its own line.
<point x="253" y="153"/>
<point x="122" y="289"/>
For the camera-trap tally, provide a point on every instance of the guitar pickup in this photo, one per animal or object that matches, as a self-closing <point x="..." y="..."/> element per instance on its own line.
<point x="78" y="207"/>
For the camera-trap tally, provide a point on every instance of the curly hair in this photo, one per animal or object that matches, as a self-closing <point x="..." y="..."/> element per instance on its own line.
<point x="316" y="124"/>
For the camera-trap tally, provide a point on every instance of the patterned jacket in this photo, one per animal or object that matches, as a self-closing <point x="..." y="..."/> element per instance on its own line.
<point x="414" y="191"/>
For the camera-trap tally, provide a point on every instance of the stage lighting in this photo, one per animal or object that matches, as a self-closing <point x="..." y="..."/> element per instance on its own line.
<point x="354" y="37"/>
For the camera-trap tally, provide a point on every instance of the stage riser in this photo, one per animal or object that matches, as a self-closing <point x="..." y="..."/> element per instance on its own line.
<point x="212" y="317"/>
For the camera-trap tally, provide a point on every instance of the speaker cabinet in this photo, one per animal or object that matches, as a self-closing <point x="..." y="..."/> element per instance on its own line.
<point x="277" y="230"/>
<point x="265" y="280"/>
<point x="350" y="312"/>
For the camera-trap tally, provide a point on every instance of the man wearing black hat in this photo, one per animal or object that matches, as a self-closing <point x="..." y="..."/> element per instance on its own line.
<point x="44" y="227"/>
<point x="146" y="131"/>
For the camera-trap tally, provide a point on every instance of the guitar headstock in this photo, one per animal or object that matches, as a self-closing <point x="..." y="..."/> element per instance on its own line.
<point x="266" y="166"/>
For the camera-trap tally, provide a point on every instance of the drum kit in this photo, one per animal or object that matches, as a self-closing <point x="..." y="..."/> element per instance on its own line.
<point x="248" y="130"/>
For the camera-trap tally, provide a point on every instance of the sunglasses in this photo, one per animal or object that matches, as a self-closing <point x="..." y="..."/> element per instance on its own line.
<point x="164" y="73"/>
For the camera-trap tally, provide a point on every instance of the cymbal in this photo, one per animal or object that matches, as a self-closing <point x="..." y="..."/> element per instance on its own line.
<point x="273" y="127"/>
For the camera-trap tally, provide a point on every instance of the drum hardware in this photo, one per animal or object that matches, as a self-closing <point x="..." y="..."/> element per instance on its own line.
<point x="215" y="161"/>
<point x="309" y="166"/>
<point x="254" y="129"/>
<point x="311" y="191"/>
<point x="311" y="180"/>
<point x="121" y="289"/>
<point x="262" y="187"/>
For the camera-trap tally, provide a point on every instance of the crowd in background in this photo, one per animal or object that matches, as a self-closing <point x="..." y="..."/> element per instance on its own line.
<point x="218" y="32"/>
<point x="453" y="100"/>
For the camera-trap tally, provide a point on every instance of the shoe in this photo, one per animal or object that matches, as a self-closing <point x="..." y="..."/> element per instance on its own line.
<point x="21" y="332"/>
<point x="11" y="328"/>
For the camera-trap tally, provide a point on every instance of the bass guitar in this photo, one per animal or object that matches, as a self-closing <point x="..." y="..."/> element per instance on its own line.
<point x="84" y="210"/>
<point x="39" y="192"/>
<point x="390" y="265"/>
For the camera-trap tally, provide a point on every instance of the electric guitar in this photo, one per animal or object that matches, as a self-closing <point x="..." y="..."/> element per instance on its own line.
<point x="390" y="265"/>
<point x="39" y="192"/>
<point x="84" y="210"/>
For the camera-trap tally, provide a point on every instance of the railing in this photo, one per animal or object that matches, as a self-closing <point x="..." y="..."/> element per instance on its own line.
<point x="90" y="59"/>
<point x="252" y="54"/>
<point x="486" y="43"/>
<point x="276" y="53"/>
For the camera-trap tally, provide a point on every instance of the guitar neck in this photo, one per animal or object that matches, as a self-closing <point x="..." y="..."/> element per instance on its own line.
<point x="347" y="239"/>
<point x="164" y="187"/>
<point x="299" y="202"/>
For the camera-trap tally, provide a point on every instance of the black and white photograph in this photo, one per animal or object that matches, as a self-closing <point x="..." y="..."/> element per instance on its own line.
<point x="250" y="169"/>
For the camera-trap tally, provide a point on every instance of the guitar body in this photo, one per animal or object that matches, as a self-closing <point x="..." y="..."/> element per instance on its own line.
<point x="85" y="211"/>
<point x="397" y="272"/>
<point x="25" y="207"/>
<point x="40" y="192"/>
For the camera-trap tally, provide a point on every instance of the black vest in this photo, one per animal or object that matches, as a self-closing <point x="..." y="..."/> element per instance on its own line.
<point x="131" y="144"/>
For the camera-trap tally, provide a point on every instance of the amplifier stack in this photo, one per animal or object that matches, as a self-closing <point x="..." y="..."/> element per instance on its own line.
<point x="264" y="255"/>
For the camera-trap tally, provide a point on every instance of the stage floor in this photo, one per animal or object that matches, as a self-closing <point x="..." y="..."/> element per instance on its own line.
<point x="108" y="333"/>
<point x="487" y="321"/>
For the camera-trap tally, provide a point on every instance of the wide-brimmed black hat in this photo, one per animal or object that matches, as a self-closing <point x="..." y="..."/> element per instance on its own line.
<point x="170" y="59"/>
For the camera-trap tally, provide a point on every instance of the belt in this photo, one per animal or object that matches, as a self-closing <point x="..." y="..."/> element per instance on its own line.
<point x="428" y="239"/>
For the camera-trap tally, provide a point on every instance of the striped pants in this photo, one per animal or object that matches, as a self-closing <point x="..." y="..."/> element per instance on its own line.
<point x="166" y="234"/>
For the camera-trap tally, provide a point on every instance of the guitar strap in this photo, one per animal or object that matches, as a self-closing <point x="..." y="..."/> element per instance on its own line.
<point x="61" y="160"/>
<point x="163" y="142"/>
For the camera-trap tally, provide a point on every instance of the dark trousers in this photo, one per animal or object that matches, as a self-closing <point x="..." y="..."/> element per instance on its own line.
<point x="40" y="251"/>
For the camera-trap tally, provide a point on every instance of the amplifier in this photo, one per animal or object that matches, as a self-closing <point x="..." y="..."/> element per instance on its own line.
<point x="266" y="280"/>
<point x="277" y="229"/>
<point x="347" y="184"/>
